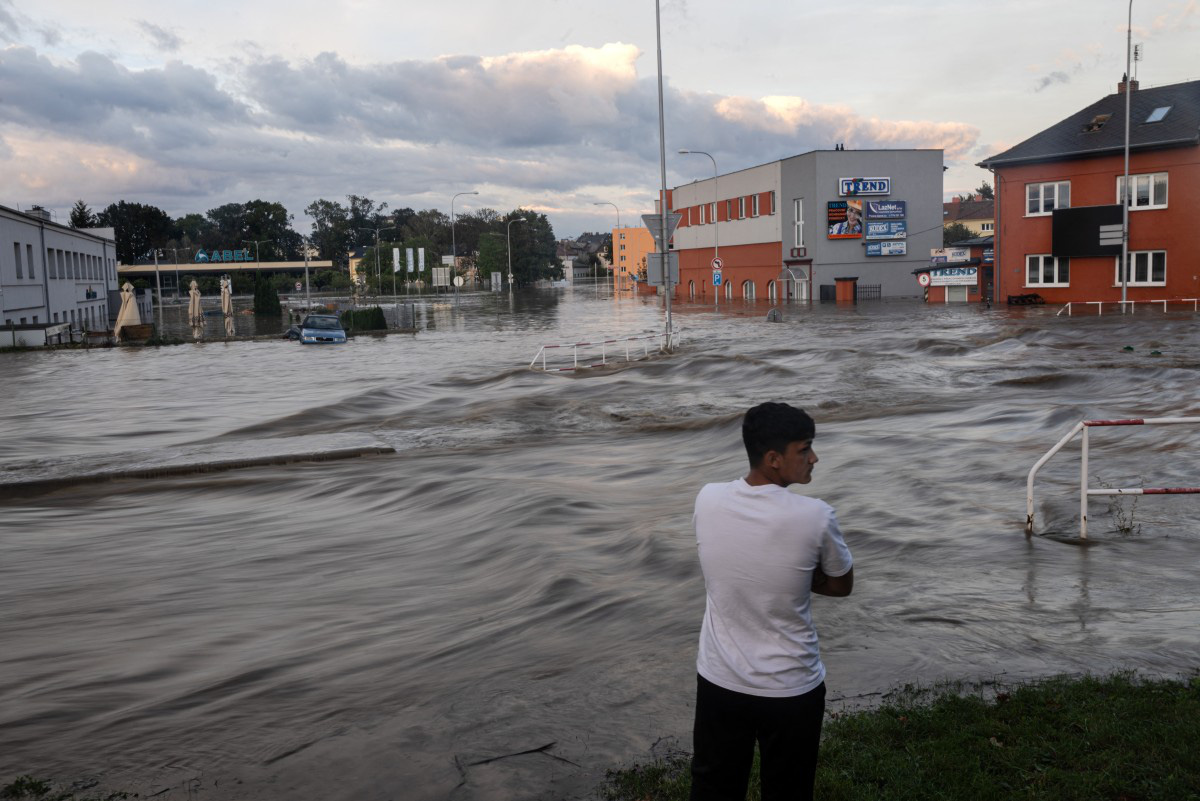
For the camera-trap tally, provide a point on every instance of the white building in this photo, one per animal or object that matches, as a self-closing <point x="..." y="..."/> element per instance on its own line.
<point x="52" y="274"/>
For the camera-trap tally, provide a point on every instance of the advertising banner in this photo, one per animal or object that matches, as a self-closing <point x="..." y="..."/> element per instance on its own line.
<point x="895" y="247"/>
<point x="887" y="229"/>
<point x="408" y="253"/>
<point x="421" y="260"/>
<point x="844" y="219"/>
<point x="886" y="209"/>
<point x="864" y="186"/>
<point x="954" y="276"/>
<point x="395" y="260"/>
<point x="949" y="254"/>
<point x="989" y="255"/>
<point x="441" y="276"/>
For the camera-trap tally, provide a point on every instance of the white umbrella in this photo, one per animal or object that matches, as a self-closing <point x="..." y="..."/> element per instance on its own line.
<point x="195" y="313"/>
<point x="227" y="303"/>
<point x="128" y="315"/>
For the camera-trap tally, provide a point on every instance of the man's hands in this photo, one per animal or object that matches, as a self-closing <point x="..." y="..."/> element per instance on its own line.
<point x="833" y="586"/>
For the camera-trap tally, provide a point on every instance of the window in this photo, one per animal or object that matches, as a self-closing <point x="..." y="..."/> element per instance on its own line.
<point x="741" y="208"/>
<point x="622" y="235"/>
<point x="29" y="260"/>
<point x="1045" y="270"/>
<point x="987" y="226"/>
<point x="729" y="209"/>
<point x="1149" y="191"/>
<point x="1158" y="114"/>
<point x="712" y="211"/>
<point x="772" y="207"/>
<point x="1149" y="268"/>
<point x="798" y="205"/>
<point x="622" y="248"/>
<point x="1045" y="198"/>
<point x="51" y="270"/>
<point x="703" y="214"/>
<point x="754" y="205"/>
<point x="62" y="264"/>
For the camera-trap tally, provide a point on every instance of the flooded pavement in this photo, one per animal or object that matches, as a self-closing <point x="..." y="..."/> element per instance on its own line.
<point x="521" y="572"/>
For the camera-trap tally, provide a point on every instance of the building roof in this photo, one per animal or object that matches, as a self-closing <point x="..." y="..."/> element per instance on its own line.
<point x="1099" y="129"/>
<point x="969" y="210"/>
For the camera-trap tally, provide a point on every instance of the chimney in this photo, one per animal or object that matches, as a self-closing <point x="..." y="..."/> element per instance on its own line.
<point x="39" y="212"/>
<point x="1133" y="85"/>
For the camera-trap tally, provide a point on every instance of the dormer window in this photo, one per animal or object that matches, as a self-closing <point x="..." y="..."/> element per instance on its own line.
<point x="1158" y="114"/>
<point x="1097" y="123"/>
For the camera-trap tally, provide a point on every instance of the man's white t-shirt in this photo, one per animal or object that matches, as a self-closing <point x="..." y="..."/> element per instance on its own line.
<point x="758" y="548"/>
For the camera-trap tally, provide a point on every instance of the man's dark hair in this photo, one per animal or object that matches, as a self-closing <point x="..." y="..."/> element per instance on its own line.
<point x="771" y="426"/>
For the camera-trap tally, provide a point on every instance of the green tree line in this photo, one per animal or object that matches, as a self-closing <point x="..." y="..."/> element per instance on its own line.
<point x="337" y="230"/>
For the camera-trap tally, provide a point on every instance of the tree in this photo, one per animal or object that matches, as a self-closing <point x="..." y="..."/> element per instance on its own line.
<point x="985" y="191"/>
<point x="139" y="229"/>
<point x="330" y="230"/>
<point x="266" y="299"/>
<point x="956" y="232"/>
<point x="81" y="216"/>
<point x="534" y="249"/>
<point x="493" y="254"/>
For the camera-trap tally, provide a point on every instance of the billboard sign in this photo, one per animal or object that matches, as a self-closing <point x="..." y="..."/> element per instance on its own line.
<point x="954" y="276"/>
<point x="850" y="187"/>
<point x="894" y="247"/>
<point x="1085" y="231"/>
<point x="939" y="255"/>
<point x="885" y="209"/>
<point x="887" y="229"/>
<point x="844" y="218"/>
<point x="989" y="255"/>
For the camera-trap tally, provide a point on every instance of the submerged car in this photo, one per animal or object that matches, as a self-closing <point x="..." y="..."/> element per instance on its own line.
<point x="321" y="329"/>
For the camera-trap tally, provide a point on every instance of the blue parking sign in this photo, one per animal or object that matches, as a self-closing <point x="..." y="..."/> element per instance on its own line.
<point x="716" y="277"/>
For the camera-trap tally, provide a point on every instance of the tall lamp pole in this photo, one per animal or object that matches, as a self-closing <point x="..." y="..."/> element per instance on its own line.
<point x="662" y="167"/>
<point x="613" y="266"/>
<point x="453" y="241"/>
<point x="1127" y="194"/>
<point x="307" y="296"/>
<point x="256" y="243"/>
<point x="510" y="275"/>
<point x="716" y="200"/>
<point x="378" y="274"/>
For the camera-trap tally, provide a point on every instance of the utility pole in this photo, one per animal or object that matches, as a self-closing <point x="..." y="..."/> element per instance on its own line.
<point x="662" y="166"/>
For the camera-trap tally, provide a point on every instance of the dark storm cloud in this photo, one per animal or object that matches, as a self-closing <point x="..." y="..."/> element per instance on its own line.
<point x="160" y="37"/>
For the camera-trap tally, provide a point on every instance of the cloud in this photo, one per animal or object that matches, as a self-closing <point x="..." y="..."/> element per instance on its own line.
<point x="9" y="29"/>
<point x="160" y="37"/>
<point x="545" y="128"/>
<point x="1052" y="78"/>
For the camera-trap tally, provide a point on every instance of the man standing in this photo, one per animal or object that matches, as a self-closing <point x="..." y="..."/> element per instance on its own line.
<point x="763" y="551"/>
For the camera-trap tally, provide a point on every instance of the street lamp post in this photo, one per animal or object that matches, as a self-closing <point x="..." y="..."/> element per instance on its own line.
<point x="378" y="274"/>
<point x="510" y="274"/>
<point x="158" y="284"/>
<point x="307" y="296"/>
<point x="453" y="241"/>
<point x="613" y="266"/>
<point x="716" y="200"/>
<point x="1127" y="193"/>
<point x="662" y="168"/>
<point x="256" y="243"/>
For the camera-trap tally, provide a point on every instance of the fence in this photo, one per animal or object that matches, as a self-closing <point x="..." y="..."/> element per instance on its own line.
<point x="1099" y="304"/>
<point x="609" y="348"/>
<point x="869" y="292"/>
<point x="1084" y="493"/>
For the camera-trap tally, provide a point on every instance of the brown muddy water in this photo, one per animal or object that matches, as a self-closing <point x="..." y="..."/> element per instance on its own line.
<point x="521" y="571"/>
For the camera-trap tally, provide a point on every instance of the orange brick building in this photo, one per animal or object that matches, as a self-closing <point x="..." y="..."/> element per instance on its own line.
<point x="1079" y="162"/>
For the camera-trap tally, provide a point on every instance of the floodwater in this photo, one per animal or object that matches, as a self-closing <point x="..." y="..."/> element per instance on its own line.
<point x="521" y="573"/>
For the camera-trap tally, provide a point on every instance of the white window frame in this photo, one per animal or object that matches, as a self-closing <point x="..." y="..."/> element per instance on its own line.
<point x="712" y="211"/>
<point x="1151" y="180"/>
<point x="798" y="225"/>
<point x="1051" y="191"/>
<point x="772" y="211"/>
<point x="742" y="207"/>
<point x="987" y="226"/>
<point x="754" y="205"/>
<point x="1041" y="272"/>
<point x="703" y="213"/>
<point x="1147" y="259"/>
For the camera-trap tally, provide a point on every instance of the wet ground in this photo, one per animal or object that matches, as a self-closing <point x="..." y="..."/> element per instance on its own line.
<point x="521" y="571"/>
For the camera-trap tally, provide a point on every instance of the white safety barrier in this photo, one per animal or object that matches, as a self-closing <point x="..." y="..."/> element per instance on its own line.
<point x="605" y="345"/>
<point x="1099" y="304"/>
<point x="1084" y="426"/>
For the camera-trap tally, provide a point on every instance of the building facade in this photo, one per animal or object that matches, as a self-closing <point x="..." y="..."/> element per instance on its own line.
<point x="630" y="246"/>
<point x="977" y="215"/>
<point x="1078" y="164"/>
<point x="786" y="230"/>
<point x="51" y="274"/>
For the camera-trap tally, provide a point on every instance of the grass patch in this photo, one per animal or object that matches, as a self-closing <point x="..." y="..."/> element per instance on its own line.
<point x="1116" y="738"/>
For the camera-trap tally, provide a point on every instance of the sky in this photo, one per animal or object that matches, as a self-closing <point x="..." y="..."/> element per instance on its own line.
<point x="539" y="104"/>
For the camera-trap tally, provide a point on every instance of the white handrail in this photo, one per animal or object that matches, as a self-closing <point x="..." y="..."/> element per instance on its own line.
<point x="1099" y="304"/>
<point x="667" y="339"/>
<point x="1084" y="492"/>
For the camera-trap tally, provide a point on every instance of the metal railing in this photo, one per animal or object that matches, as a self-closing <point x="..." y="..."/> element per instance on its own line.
<point x="1099" y="304"/>
<point x="1084" y="493"/>
<point x="609" y="349"/>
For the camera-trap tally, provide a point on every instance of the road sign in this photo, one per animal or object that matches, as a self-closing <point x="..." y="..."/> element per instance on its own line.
<point x="299" y="286"/>
<point x="716" y="277"/>
<point x="717" y="263"/>
<point x="654" y="223"/>
<point x="458" y="280"/>
<point x="654" y="270"/>
<point x="923" y="279"/>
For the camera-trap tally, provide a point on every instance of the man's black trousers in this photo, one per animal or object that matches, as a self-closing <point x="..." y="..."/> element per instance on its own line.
<point x="788" y="732"/>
